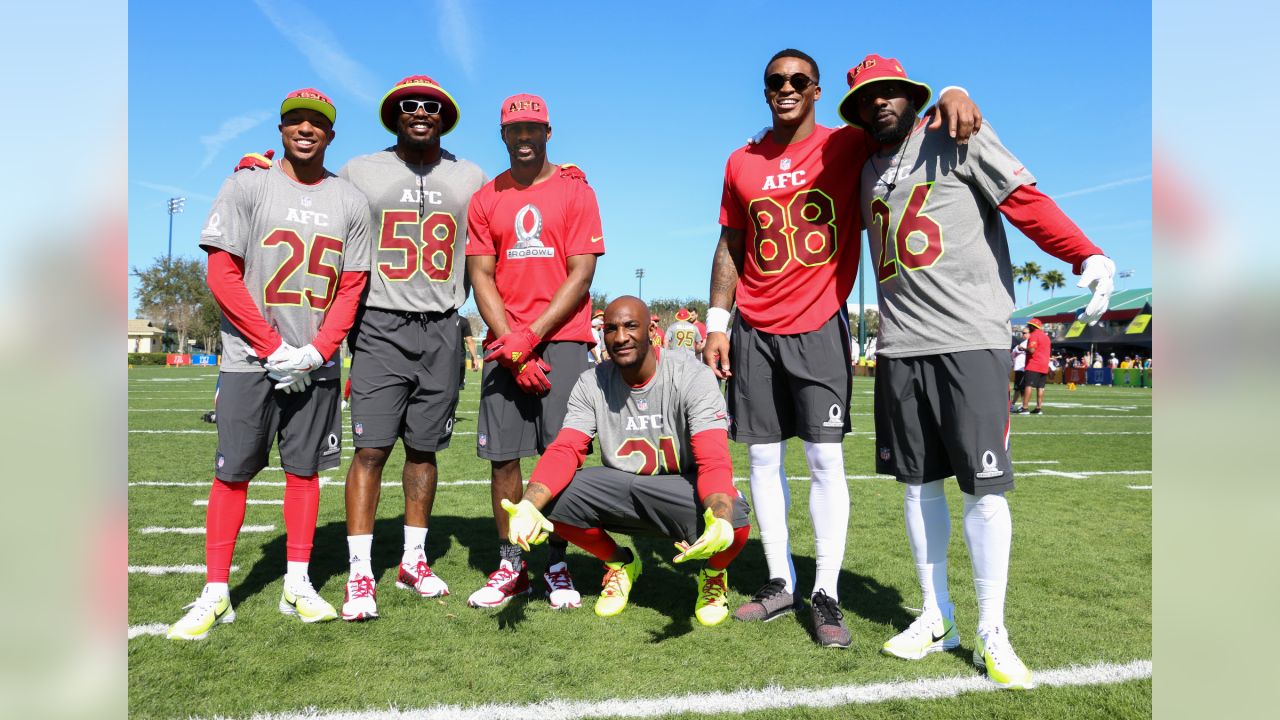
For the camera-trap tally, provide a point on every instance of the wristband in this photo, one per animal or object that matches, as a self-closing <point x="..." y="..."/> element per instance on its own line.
<point x="717" y="320"/>
<point x="944" y="90"/>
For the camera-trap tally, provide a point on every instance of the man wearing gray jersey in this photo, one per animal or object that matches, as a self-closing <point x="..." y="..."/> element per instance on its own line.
<point x="288" y="260"/>
<point x="406" y="343"/>
<point x="661" y="423"/>
<point x="933" y="213"/>
<point x="683" y="336"/>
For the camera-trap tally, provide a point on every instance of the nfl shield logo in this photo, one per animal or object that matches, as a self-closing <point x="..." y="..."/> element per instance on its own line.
<point x="482" y="440"/>
<point x="642" y="404"/>
<point x="359" y="428"/>
<point x="785" y="165"/>
<point x="884" y="454"/>
<point x="221" y="460"/>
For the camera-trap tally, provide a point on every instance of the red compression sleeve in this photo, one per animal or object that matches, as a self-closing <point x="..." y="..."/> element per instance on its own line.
<point x="721" y="560"/>
<point x="301" y="509"/>
<point x="1040" y="218"/>
<point x="593" y="540"/>
<point x="222" y="521"/>
<point x="715" y="470"/>
<point x="562" y="459"/>
<point x="226" y="282"/>
<point x="342" y="313"/>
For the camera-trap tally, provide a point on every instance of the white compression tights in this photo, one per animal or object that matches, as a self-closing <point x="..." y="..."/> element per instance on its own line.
<point x="929" y="532"/>
<point x="771" y="499"/>
<point x="988" y="530"/>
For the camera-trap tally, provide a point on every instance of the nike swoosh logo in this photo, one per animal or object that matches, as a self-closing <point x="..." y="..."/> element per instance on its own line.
<point x="597" y="239"/>
<point x="936" y="638"/>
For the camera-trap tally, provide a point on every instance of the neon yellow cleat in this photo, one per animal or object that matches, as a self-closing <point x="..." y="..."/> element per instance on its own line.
<point x="202" y="615"/>
<point x="993" y="651"/>
<point x="712" y="606"/>
<point x="932" y="632"/>
<point x="301" y="600"/>
<point x="618" y="579"/>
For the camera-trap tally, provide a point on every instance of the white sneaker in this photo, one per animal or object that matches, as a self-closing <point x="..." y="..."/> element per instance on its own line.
<point x="301" y="600"/>
<point x="360" y="600"/>
<point x="932" y="632"/>
<point x="418" y="577"/>
<point x="993" y="652"/>
<point x="560" y="591"/>
<point x="208" y="610"/>
<point x="504" y="583"/>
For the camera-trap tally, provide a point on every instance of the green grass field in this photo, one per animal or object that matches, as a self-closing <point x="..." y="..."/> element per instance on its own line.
<point x="1079" y="591"/>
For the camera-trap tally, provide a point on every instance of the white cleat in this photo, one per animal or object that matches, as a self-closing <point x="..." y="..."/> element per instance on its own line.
<point x="302" y="601"/>
<point x="932" y="632"/>
<point x="993" y="652"/>
<point x="360" y="599"/>
<point x="209" y="610"/>
<point x="560" y="591"/>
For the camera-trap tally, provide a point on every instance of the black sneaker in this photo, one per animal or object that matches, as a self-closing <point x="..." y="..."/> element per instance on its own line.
<point x="1036" y="411"/>
<point x="828" y="622"/>
<point x="210" y="417"/>
<point x="771" y="602"/>
<point x="1017" y="411"/>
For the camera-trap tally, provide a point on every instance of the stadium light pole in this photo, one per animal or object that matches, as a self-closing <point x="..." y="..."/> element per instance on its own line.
<point x="1124" y="275"/>
<point x="640" y="283"/>
<point x="175" y="206"/>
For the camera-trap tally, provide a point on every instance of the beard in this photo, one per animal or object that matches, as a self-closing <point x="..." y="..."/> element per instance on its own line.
<point x="412" y="143"/>
<point x="898" y="131"/>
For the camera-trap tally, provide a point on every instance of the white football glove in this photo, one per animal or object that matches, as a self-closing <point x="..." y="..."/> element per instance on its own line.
<point x="281" y="354"/>
<point x="759" y="137"/>
<point x="305" y="359"/>
<point x="1098" y="274"/>
<point x="290" y="381"/>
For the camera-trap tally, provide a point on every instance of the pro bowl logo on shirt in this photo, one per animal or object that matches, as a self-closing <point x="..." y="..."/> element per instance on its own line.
<point x="528" y="228"/>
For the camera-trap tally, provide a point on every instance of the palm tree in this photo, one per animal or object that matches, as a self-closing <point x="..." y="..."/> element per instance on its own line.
<point x="1026" y="274"/>
<point x="1052" y="280"/>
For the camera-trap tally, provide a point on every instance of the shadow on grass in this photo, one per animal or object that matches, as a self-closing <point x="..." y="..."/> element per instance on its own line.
<point x="665" y="588"/>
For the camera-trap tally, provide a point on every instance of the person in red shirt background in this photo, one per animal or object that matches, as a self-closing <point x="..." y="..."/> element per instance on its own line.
<point x="657" y="337"/>
<point x="1038" y="349"/>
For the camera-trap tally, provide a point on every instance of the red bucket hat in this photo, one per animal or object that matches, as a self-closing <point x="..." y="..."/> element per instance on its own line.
<point x="417" y="86"/>
<point x="874" y="68"/>
<point x="309" y="99"/>
<point x="682" y="314"/>
<point x="1035" y="323"/>
<point x="525" y="108"/>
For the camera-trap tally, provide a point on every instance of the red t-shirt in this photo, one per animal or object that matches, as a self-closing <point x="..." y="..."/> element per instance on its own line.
<point x="533" y="231"/>
<point x="798" y="208"/>
<point x="1038" y="359"/>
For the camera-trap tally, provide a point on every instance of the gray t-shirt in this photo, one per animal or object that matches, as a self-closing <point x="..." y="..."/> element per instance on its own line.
<point x="683" y="336"/>
<point x="296" y="241"/>
<point x="407" y="273"/>
<point x="945" y="281"/>
<point x="648" y="430"/>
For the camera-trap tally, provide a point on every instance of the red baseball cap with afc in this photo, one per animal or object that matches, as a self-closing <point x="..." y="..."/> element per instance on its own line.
<point x="525" y="108"/>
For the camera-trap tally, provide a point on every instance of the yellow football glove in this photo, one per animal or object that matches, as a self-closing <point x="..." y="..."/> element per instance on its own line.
<point x="527" y="526"/>
<point x="717" y="537"/>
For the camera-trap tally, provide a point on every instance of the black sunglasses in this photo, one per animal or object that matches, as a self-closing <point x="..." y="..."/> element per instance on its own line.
<point x="411" y="106"/>
<point x="799" y="81"/>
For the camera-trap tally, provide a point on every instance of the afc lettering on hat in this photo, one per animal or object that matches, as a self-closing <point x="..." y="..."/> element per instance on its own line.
<point x="525" y="108"/>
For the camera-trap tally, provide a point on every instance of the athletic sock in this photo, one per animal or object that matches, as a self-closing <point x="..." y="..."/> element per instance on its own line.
<point x="415" y="541"/>
<point x="929" y="533"/>
<point x="301" y="508"/>
<point x="511" y="553"/>
<point x="360" y="554"/>
<point x="988" y="530"/>
<point x="829" y="510"/>
<point x="721" y="560"/>
<point x="217" y="589"/>
<point x="593" y="540"/>
<point x="222" y="521"/>
<point x="296" y="570"/>
<point x="771" y="499"/>
<point x="557" y="549"/>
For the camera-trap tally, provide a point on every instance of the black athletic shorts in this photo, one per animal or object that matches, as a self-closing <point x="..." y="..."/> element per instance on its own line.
<point x="789" y="385"/>
<point x="252" y="415"/>
<point x="622" y="502"/>
<point x="944" y="415"/>
<point x="1034" y="379"/>
<point x="513" y="424"/>
<point x="1018" y="378"/>
<point x="404" y="378"/>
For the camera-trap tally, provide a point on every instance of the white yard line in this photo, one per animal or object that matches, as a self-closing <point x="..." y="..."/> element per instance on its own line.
<point x="152" y="629"/>
<point x="1139" y="487"/>
<point x="249" y="502"/>
<point x="738" y="701"/>
<point x="175" y="432"/>
<point x="199" y="530"/>
<point x="171" y="569"/>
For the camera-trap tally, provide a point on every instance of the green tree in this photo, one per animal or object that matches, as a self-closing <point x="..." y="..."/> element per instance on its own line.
<point x="172" y="294"/>
<point x="1052" y="280"/>
<point x="1027" y="273"/>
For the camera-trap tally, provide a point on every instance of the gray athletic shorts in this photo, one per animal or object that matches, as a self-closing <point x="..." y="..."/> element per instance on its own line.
<point x="944" y="415"/>
<point x="404" y="378"/>
<point x="252" y="415"/>
<point x="622" y="502"/>
<point x="514" y="424"/>
<point x="788" y="385"/>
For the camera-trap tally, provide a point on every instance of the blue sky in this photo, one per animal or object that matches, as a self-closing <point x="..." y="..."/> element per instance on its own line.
<point x="649" y="99"/>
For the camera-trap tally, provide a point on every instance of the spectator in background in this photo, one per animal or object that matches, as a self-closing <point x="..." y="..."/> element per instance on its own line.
<point x="1113" y="363"/>
<point x="657" y="338"/>
<point x="1038" y="349"/>
<point x="470" y="358"/>
<point x="1019" y="354"/>
<point x="1097" y="362"/>
<point x="702" y="328"/>
<point x="598" y="352"/>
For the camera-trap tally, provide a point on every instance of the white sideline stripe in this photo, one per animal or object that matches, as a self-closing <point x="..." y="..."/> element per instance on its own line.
<point x="1139" y="487"/>
<point x="176" y="432"/>
<point x="203" y="409"/>
<point x="171" y="569"/>
<point x="324" y="482"/>
<point x="249" y="502"/>
<point x="738" y="701"/>
<point x="1076" y="432"/>
<point x="200" y="530"/>
<point x="152" y="629"/>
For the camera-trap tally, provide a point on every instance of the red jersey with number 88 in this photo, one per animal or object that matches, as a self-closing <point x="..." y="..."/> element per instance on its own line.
<point x="798" y="209"/>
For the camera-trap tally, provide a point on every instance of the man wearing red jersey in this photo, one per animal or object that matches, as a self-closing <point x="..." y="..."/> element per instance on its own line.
<point x="534" y="237"/>
<point x="788" y="254"/>
<point x="1038" y="349"/>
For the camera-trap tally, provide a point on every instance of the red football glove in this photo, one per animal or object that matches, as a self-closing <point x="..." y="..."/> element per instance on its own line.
<point x="531" y="377"/>
<point x="569" y="171"/>
<point x="512" y="350"/>
<point x="254" y="161"/>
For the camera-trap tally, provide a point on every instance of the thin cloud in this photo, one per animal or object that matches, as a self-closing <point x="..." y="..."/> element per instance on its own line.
<point x="312" y="38"/>
<point x="173" y="191"/>
<point x="1104" y="186"/>
<point x="455" y="35"/>
<point x="231" y="129"/>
